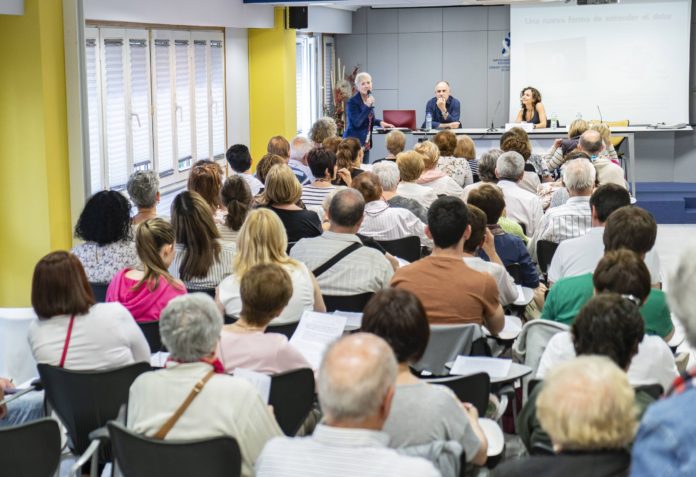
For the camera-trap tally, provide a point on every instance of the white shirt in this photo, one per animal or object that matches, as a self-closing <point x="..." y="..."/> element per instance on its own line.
<point x="581" y="255"/>
<point x="302" y="295"/>
<point x="338" y="452"/>
<point x="422" y="194"/>
<point x="227" y="406"/>
<point x="383" y="222"/>
<point x="444" y="186"/>
<point x="220" y="269"/>
<point x="522" y="206"/>
<point x="507" y="290"/>
<point x="296" y="165"/>
<point x="570" y="220"/>
<point x="365" y="270"/>
<point x="106" y="337"/>
<point x="653" y="364"/>
<point x="254" y="184"/>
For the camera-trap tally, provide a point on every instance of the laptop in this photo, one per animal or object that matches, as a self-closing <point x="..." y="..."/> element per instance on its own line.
<point x="401" y="118"/>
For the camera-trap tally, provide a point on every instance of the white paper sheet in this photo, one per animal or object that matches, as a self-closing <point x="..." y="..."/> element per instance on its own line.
<point x="261" y="381"/>
<point x="315" y="332"/>
<point x="494" y="367"/>
<point x="353" y="319"/>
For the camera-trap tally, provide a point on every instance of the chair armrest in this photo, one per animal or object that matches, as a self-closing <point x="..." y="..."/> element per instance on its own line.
<point x="101" y="434"/>
<point x="92" y="453"/>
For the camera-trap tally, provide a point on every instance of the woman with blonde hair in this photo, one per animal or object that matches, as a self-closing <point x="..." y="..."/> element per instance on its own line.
<point x="281" y="195"/>
<point x="147" y="289"/>
<point x="349" y="156"/>
<point x="438" y="181"/>
<point x="262" y="239"/>
<point x="205" y="178"/>
<point x="555" y="157"/>
<point x="455" y="167"/>
<point x="609" y="152"/>
<point x="411" y="165"/>
<point x="466" y="149"/>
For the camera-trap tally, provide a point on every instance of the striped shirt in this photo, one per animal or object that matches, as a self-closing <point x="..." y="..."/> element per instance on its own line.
<point x="383" y="222"/>
<point x="567" y="221"/>
<point x="365" y="270"/>
<point x="339" y="452"/>
<point x="221" y="268"/>
<point x="313" y="195"/>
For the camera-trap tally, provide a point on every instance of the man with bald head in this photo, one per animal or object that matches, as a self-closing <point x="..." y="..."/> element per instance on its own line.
<point x="443" y="108"/>
<point x="356" y="386"/>
<point x="607" y="172"/>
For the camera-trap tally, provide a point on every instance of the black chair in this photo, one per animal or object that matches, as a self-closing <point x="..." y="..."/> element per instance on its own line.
<point x="654" y="390"/>
<point x="515" y="271"/>
<point x="292" y="397"/>
<point x="347" y="303"/>
<point x="545" y="251"/>
<point x="30" y="450"/>
<point x="474" y="389"/>
<point x="87" y="400"/>
<point x="407" y="248"/>
<point x="140" y="456"/>
<point x="99" y="290"/>
<point x="208" y="291"/>
<point x="286" y="330"/>
<point x="152" y="334"/>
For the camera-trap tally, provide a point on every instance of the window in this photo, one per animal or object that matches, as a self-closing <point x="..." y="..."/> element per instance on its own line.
<point x="306" y="83"/>
<point x="329" y="56"/>
<point x="156" y="100"/>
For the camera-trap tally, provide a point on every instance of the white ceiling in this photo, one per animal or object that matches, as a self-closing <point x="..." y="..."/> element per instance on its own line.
<point x="354" y="4"/>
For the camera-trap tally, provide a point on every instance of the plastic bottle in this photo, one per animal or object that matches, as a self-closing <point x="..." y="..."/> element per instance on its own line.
<point x="428" y="121"/>
<point x="554" y="121"/>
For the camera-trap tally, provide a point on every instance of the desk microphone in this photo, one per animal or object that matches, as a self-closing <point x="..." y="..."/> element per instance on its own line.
<point x="600" y="114"/>
<point x="492" y="128"/>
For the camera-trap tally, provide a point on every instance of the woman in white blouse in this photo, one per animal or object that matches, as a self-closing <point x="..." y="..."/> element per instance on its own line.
<point x="411" y="165"/>
<point x="74" y="332"/>
<point x="432" y="177"/>
<point x="455" y="167"/>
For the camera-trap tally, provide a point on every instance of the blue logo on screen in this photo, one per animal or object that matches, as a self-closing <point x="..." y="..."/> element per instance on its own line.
<point x="506" y="45"/>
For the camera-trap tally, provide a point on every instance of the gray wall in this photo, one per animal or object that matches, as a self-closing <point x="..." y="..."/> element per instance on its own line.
<point x="408" y="50"/>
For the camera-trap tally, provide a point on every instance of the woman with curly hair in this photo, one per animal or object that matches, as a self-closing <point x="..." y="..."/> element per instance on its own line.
<point x="532" y="109"/>
<point x="323" y="128"/>
<point x="105" y="226"/>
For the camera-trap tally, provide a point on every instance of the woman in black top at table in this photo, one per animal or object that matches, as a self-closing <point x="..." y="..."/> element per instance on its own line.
<point x="282" y="193"/>
<point x="532" y="109"/>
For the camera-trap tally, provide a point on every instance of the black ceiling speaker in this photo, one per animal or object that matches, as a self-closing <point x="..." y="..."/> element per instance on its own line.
<point x="296" y="17"/>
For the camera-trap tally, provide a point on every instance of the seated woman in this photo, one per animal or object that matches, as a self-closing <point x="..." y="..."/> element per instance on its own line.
<point x="534" y="162"/>
<point x="398" y="317"/>
<point x="237" y="199"/>
<point x="554" y="193"/>
<point x="322" y="129"/>
<point x="322" y="163"/>
<point x="143" y="190"/>
<point x="205" y="178"/>
<point x="146" y="290"/>
<point x="388" y="174"/>
<point x="349" y="156"/>
<point x="455" y="167"/>
<point x="265" y="291"/>
<point x="411" y="165"/>
<point x="438" y="181"/>
<point x="71" y="330"/>
<point x="265" y="165"/>
<point x="105" y="226"/>
<point x="395" y="142"/>
<point x="533" y="110"/>
<point x="466" y="149"/>
<point x="511" y="141"/>
<point x="556" y="155"/>
<point x="201" y="261"/>
<point x="262" y="240"/>
<point x="223" y="405"/>
<point x="281" y="195"/>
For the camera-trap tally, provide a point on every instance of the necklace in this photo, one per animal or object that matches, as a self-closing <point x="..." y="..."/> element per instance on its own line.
<point x="248" y="328"/>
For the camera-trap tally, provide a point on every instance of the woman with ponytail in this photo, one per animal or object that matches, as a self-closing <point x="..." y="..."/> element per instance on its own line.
<point x="349" y="156"/>
<point x="146" y="290"/>
<point x="237" y="198"/>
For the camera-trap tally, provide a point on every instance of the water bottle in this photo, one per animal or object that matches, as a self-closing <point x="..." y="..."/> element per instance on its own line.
<point x="554" y="121"/>
<point x="428" y="121"/>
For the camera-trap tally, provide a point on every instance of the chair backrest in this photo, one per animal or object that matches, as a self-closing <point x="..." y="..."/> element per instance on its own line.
<point x="545" y="251"/>
<point x="208" y="291"/>
<point x="286" y="330"/>
<point x="474" y="389"/>
<point x="347" y="303"/>
<point x="292" y="397"/>
<point x="408" y="248"/>
<point x="99" y="290"/>
<point x="152" y="334"/>
<point x="30" y="450"/>
<point x="515" y="271"/>
<point x="617" y="140"/>
<point x="445" y="344"/>
<point x="140" y="456"/>
<point x="87" y="400"/>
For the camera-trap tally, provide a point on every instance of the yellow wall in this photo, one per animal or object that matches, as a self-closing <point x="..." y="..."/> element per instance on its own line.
<point x="34" y="174"/>
<point x="272" y="92"/>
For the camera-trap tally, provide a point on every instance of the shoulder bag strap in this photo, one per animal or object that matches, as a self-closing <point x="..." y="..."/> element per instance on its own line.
<point x="164" y="430"/>
<point x="66" y="345"/>
<point x="336" y="258"/>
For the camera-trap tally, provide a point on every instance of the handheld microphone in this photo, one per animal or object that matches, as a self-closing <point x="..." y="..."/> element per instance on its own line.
<point x="601" y="120"/>
<point x="369" y="95"/>
<point x="492" y="128"/>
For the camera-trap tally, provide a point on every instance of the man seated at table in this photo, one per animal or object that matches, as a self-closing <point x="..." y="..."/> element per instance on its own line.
<point x="356" y="387"/>
<point x="451" y="291"/>
<point x="443" y="108"/>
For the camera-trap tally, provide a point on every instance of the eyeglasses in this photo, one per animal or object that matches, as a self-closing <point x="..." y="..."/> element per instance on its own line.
<point x="632" y="299"/>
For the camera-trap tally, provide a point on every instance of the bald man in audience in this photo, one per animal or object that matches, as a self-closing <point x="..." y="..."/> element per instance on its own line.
<point x="356" y="386"/>
<point x="299" y="148"/>
<point x="607" y="172"/>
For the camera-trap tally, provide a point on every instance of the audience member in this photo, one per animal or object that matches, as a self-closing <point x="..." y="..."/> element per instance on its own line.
<point x="594" y="143"/>
<point x="266" y="164"/>
<point x="395" y="142"/>
<point x="533" y="162"/>
<point x="354" y="269"/>
<point x="432" y="177"/>
<point x="299" y="147"/>
<point x="322" y="163"/>
<point x="23" y="409"/>
<point x="514" y="141"/>
<point x="331" y="143"/>
<point x="205" y="178"/>
<point x="398" y="317"/>
<point x="279" y="146"/>
<point x="349" y="156"/>
<point x="219" y="404"/>
<point x="554" y="194"/>
<point x="237" y="199"/>
<point x="356" y="388"/>
<point x="556" y="156"/>
<point x="265" y="290"/>
<point x="201" y="261"/>
<point x="105" y="226"/>
<point x="262" y="240"/>
<point x="146" y="290"/>
<point x="388" y="174"/>
<point x="239" y="159"/>
<point x="521" y="205"/>
<point x="467" y="149"/>
<point x="455" y="167"/>
<point x="450" y="291"/>
<point x="143" y="190"/>
<point x="322" y="129"/>
<point x="485" y="169"/>
<point x="608" y="152"/>
<point x="71" y="330"/>
<point x="411" y="165"/>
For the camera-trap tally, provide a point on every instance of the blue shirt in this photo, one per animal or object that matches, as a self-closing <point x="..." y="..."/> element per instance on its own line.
<point x="357" y="119"/>
<point x="511" y="249"/>
<point x="452" y="107"/>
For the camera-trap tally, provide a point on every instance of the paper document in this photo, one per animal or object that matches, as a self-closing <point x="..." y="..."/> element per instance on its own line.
<point x="315" y="332"/>
<point x="21" y="386"/>
<point x="468" y="365"/>
<point x="261" y="381"/>
<point x="353" y="319"/>
<point x="524" y="296"/>
<point x="159" y="359"/>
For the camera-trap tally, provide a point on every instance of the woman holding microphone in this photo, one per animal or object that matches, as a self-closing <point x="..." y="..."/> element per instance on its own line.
<point x="360" y="114"/>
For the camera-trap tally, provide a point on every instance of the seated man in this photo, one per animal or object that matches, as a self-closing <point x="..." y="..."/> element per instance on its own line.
<point x="356" y="388"/>
<point x="363" y="270"/>
<point x="239" y="160"/>
<point x="388" y="174"/>
<point x="299" y="147"/>
<point x="443" y="108"/>
<point x="521" y="205"/>
<point x="450" y="291"/>
<point x="574" y="218"/>
<point x="607" y="172"/>
<point x="631" y="228"/>
<point x="509" y="247"/>
<point x="22" y="410"/>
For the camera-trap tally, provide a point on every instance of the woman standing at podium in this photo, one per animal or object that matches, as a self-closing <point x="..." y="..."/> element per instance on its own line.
<point x="532" y="109"/>
<point x="360" y="114"/>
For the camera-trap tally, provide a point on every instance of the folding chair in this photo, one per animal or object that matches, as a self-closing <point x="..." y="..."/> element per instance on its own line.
<point x="407" y="248"/>
<point x="152" y="334"/>
<point x="545" y="251"/>
<point x="347" y="303"/>
<point x="449" y="341"/>
<point x="474" y="389"/>
<point x="286" y="330"/>
<point x="208" y="291"/>
<point x="99" y="291"/>
<point x="30" y="450"/>
<point x="292" y="397"/>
